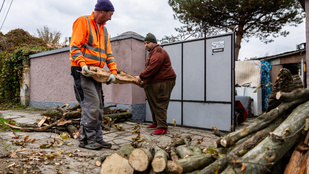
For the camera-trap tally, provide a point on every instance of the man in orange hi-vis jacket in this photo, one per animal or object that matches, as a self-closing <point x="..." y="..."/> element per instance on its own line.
<point x="90" y="45"/>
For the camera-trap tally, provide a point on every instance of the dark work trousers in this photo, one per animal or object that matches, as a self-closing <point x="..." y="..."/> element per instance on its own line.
<point x="158" y="96"/>
<point x="89" y="93"/>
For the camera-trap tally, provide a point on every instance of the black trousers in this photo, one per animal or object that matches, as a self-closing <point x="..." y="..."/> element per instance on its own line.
<point x="158" y="96"/>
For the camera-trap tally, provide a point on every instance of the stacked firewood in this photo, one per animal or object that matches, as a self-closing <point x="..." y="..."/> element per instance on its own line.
<point x="260" y="148"/>
<point x="67" y="119"/>
<point x="257" y="148"/>
<point x="148" y="157"/>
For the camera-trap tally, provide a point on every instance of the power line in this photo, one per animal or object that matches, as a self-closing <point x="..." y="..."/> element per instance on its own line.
<point x="6" y="14"/>
<point x="2" y="6"/>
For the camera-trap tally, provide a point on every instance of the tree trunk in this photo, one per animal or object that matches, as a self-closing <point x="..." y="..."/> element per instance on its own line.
<point x="117" y="162"/>
<point x="290" y="96"/>
<point x="261" y="122"/>
<point x="184" y="152"/>
<point x="221" y="163"/>
<point x="239" y="36"/>
<point x="191" y="163"/>
<point x="261" y="158"/>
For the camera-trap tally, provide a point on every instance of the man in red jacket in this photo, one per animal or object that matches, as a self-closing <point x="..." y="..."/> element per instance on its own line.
<point x="158" y="79"/>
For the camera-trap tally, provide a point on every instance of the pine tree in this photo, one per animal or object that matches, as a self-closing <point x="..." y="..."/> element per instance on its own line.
<point x="247" y="18"/>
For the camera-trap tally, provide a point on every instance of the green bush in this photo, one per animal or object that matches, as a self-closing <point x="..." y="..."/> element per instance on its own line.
<point x="11" y="68"/>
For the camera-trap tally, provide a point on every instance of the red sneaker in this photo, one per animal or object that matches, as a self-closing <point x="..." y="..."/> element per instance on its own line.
<point x="152" y="126"/>
<point x="160" y="131"/>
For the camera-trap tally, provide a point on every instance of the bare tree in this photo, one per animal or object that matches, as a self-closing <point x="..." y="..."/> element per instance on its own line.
<point x="48" y="36"/>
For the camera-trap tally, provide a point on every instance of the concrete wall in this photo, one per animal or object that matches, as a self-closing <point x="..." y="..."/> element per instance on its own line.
<point x="51" y="83"/>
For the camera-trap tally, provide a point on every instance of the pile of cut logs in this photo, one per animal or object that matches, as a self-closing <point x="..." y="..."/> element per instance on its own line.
<point x="67" y="119"/>
<point x="258" y="148"/>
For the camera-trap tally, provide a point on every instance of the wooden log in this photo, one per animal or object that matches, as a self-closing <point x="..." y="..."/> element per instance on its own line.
<point x="295" y="161"/>
<point x="72" y="114"/>
<point x="184" y="152"/>
<point x="160" y="160"/>
<point x="40" y="129"/>
<point x="125" y="150"/>
<point x="140" y="159"/>
<point x="261" y="158"/>
<point x="101" y="75"/>
<point x="73" y="108"/>
<point x="52" y="113"/>
<point x="217" y="143"/>
<point x="117" y="162"/>
<point x="290" y="96"/>
<point x="191" y="163"/>
<point x="217" y="132"/>
<point x="181" y="141"/>
<point x="260" y="122"/>
<point x="42" y="121"/>
<point x="174" y="165"/>
<point x="99" y="160"/>
<point x="74" y="132"/>
<point x="241" y="148"/>
<point x="306" y="141"/>
<point x="27" y="125"/>
<point x="196" y="149"/>
<point x="304" y="167"/>
<point x="119" y="116"/>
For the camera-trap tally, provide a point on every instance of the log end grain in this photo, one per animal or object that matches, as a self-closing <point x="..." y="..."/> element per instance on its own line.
<point x="158" y="164"/>
<point x="115" y="164"/>
<point x="223" y="142"/>
<point x="139" y="160"/>
<point x="278" y="95"/>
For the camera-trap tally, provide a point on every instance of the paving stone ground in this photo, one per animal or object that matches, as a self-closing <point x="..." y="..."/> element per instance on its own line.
<point x="71" y="159"/>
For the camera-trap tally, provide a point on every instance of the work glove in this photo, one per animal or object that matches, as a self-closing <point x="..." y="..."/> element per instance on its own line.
<point x="111" y="79"/>
<point x="86" y="72"/>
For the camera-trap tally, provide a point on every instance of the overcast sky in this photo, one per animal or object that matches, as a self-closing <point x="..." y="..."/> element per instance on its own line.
<point x="140" y="16"/>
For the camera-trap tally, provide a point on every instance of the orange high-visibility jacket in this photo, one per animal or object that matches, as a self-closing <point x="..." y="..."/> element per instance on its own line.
<point x="90" y="46"/>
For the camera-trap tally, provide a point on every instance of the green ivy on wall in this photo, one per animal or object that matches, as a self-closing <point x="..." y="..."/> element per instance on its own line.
<point x="11" y="69"/>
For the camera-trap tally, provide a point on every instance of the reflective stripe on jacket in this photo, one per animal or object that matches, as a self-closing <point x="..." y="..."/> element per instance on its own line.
<point x="90" y="46"/>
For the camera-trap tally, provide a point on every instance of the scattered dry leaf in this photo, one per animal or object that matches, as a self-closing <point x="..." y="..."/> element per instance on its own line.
<point x="243" y="167"/>
<point x="13" y="155"/>
<point x="11" y="165"/>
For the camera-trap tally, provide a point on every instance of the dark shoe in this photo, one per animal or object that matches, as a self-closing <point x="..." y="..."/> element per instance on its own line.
<point x="93" y="146"/>
<point x="105" y="145"/>
<point x="152" y="126"/>
<point x="82" y="144"/>
<point x="160" y="131"/>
